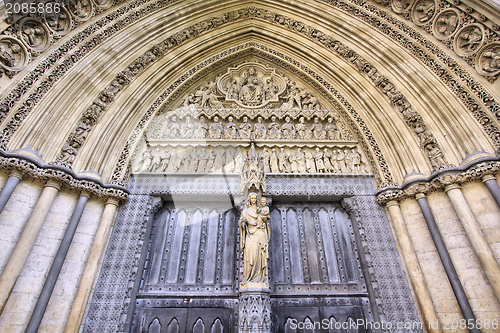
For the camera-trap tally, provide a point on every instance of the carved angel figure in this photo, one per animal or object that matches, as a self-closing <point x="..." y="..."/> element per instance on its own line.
<point x="255" y="231"/>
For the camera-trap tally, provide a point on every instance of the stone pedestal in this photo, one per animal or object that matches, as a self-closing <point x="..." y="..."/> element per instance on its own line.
<point x="254" y="310"/>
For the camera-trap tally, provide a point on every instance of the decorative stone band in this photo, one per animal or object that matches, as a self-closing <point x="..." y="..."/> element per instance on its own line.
<point x="469" y="170"/>
<point x="36" y="169"/>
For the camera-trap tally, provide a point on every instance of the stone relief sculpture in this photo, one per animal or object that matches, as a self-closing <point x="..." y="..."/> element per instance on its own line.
<point x="255" y="232"/>
<point x="488" y="62"/>
<point x="13" y="55"/>
<point x="469" y="39"/>
<point x="34" y="34"/>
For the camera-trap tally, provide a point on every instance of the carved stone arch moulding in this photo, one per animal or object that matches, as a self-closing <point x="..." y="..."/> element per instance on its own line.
<point x="403" y="34"/>
<point x="174" y="95"/>
<point x="414" y="121"/>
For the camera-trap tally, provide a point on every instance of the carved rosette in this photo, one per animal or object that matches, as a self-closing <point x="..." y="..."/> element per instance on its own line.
<point x="488" y="60"/>
<point x="469" y="39"/>
<point x="13" y="54"/>
<point x="34" y="34"/>
<point x="254" y="312"/>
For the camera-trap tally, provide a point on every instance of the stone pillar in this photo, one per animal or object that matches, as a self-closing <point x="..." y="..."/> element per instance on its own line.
<point x="92" y="266"/>
<point x="417" y="278"/>
<point x="26" y="240"/>
<point x="476" y="237"/>
<point x="9" y="187"/>
<point x="51" y="280"/>
<point x="491" y="183"/>
<point x="456" y="285"/>
<point x="254" y="310"/>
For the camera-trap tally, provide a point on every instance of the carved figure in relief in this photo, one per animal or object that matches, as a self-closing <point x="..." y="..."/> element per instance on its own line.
<point x="334" y="162"/>
<point x="317" y="130"/>
<point x="303" y="132"/>
<point x="156" y="161"/>
<point x="260" y="129"/>
<point x="146" y="160"/>
<point x="288" y="130"/>
<point x="425" y="11"/>
<point x="57" y="21"/>
<point x="83" y="128"/>
<point x="33" y="34"/>
<point x="175" y="162"/>
<point x="187" y="129"/>
<point x="251" y="89"/>
<point x="310" y="164"/>
<point x="230" y="130"/>
<point x="318" y="159"/>
<point x="300" y="158"/>
<point x="265" y="158"/>
<point x="220" y="160"/>
<point x="80" y="8"/>
<point x="356" y="161"/>
<point x="233" y="89"/>
<point x="238" y="161"/>
<point x="490" y="60"/>
<point x="245" y="129"/>
<point x="203" y="160"/>
<point x="211" y="162"/>
<point x="292" y="159"/>
<point x="326" y="161"/>
<point x="215" y="130"/>
<point x="310" y="102"/>
<point x="470" y="39"/>
<point x="194" y="159"/>
<point x="186" y="162"/>
<point x="435" y="156"/>
<point x="229" y="166"/>
<point x="447" y="23"/>
<point x="172" y="130"/>
<point x="254" y="241"/>
<point x="332" y="132"/>
<point x="283" y="164"/>
<point x="274" y="129"/>
<point x="201" y="129"/>
<point x="189" y="102"/>
<point x="165" y="158"/>
<point x="348" y="160"/>
<point x="7" y="56"/>
<point x="341" y="161"/>
<point x="274" y="162"/>
<point x="270" y="89"/>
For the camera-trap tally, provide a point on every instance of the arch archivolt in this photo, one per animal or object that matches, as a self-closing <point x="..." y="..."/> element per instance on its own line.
<point x="388" y="89"/>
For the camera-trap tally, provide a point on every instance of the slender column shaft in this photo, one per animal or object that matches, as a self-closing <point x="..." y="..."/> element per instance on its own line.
<point x="491" y="183"/>
<point x="25" y="243"/>
<point x="417" y="278"/>
<point x="9" y="187"/>
<point x="456" y="285"/>
<point x="93" y="263"/>
<point x="50" y="282"/>
<point x="476" y="237"/>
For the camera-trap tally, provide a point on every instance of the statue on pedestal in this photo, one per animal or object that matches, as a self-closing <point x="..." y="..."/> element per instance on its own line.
<point x="255" y="231"/>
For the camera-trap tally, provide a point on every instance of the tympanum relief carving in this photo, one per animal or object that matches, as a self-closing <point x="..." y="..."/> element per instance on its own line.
<point x="249" y="121"/>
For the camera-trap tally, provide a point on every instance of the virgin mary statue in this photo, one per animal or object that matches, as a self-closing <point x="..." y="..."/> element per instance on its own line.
<point x="254" y="239"/>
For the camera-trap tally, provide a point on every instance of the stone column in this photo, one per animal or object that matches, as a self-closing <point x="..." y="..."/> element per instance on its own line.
<point x="92" y="266"/>
<point x="491" y="183"/>
<point x="50" y="282"/>
<point x="417" y="278"/>
<point x="9" y="187"/>
<point x="26" y="240"/>
<point x="476" y="237"/>
<point x="254" y="310"/>
<point x="456" y="285"/>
